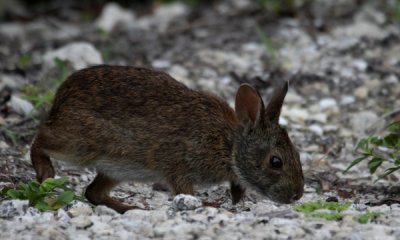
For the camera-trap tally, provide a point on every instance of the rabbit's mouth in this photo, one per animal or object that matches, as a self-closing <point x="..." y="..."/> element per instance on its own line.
<point x="280" y="196"/>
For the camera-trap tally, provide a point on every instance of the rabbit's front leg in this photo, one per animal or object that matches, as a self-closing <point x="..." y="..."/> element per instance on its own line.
<point x="181" y="185"/>
<point x="237" y="192"/>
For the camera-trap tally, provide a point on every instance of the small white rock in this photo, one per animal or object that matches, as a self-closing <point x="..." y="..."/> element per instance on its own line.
<point x="283" y="121"/>
<point x="295" y="114"/>
<point x="347" y="99"/>
<point x="185" y="202"/>
<point x="361" y="92"/>
<point x="103" y="210"/>
<point x="79" y="54"/>
<point x="21" y="106"/>
<point x="112" y="15"/>
<point x="330" y="128"/>
<point x="327" y="103"/>
<point x="293" y="97"/>
<point x="12" y="208"/>
<point x="360" y="65"/>
<point x="78" y="208"/>
<point x="362" y="121"/>
<point x="319" y="117"/>
<point x="81" y="222"/>
<point x="160" y="63"/>
<point x="316" y="129"/>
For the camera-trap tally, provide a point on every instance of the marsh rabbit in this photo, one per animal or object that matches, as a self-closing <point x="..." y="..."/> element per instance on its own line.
<point x="137" y="124"/>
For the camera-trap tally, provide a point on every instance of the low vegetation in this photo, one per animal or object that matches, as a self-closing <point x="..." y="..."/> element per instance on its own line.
<point x="51" y="194"/>
<point x="375" y="150"/>
<point x="332" y="211"/>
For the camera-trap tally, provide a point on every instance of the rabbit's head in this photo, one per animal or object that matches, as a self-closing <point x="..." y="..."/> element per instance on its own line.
<point x="265" y="158"/>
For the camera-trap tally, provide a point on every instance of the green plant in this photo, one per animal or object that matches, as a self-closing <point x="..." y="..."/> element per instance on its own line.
<point x="40" y="100"/>
<point x="333" y="210"/>
<point x="276" y="6"/>
<point x="104" y="34"/>
<point x="106" y="52"/>
<point x="48" y="195"/>
<point x="377" y="150"/>
<point x="10" y="134"/>
<point x="24" y="60"/>
<point x="394" y="11"/>
<point x="15" y="136"/>
<point x="42" y="94"/>
<point x="364" y="218"/>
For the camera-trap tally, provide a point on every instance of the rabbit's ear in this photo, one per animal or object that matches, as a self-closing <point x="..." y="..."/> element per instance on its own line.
<point x="248" y="105"/>
<point x="274" y="106"/>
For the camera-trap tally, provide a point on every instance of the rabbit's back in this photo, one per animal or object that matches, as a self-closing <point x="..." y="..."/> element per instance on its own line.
<point x="125" y="117"/>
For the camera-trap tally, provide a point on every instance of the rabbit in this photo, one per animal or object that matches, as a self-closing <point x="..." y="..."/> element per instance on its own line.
<point x="138" y="124"/>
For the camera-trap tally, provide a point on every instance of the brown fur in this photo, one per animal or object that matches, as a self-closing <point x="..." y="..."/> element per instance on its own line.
<point x="142" y="125"/>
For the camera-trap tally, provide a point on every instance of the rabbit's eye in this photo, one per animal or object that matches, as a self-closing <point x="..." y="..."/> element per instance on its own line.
<point x="276" y="162"/>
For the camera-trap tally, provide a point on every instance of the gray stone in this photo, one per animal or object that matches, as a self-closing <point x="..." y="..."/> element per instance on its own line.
<point x="185" y="202"/>
<point x="77" y="208"/>
<point x="21" y="106"/>
<point x="13" y="208"/>
<point x="112" y="15"/>
<point x="79" y="55"/>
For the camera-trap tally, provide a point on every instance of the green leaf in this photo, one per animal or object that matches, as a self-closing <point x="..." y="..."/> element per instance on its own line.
<point x="355" y="162"/>
<point x="66" y="197"/>
<point x="394" y="127"/>
<point x="42" y="205"/>
<point x="391" y="140"/>
<point x="388" y="171"/>
<point x="15" y="194"/>
<point x="364" y="218"/>
<point x="374" y="163"/>
<point x="332" y="216"/>
<point x="311" y="206"/>
<point x="4" y="191"/>
<point x="23" y="60"/>
<point x="375" y="140"/>
<point x="50" y="183"/>
<point x="33" y="186"/>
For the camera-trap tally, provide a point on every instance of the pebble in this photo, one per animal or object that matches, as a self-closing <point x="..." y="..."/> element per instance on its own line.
<point x="361" y="122"/>
<point x="160" y="63"/>
<point x="327" y="103"/>
<point x="347" y="99"/>
<point x="103" y="210"/>
<point x="298" y="115"/>
<point x="316" y="129"/>
<point x="21" y="106"/>
<point x="13" y="208"/>
<point x="112" y="15"/>
<point x="360" y="65"/>
<point x="361" y="92"/>
<point x="81" y="222"/>
<point x="185" y="202"/>
<point x="319" y="117"/>
<point x="292" y="97"/>
<point x="77" y="208"/>
<point x="10" y="81"/>
<point x="78" y="54"/>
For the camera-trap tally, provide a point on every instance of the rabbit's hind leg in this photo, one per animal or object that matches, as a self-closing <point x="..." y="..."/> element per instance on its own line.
<point x="98" y="193"/>
<point x="41" y="161"/>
